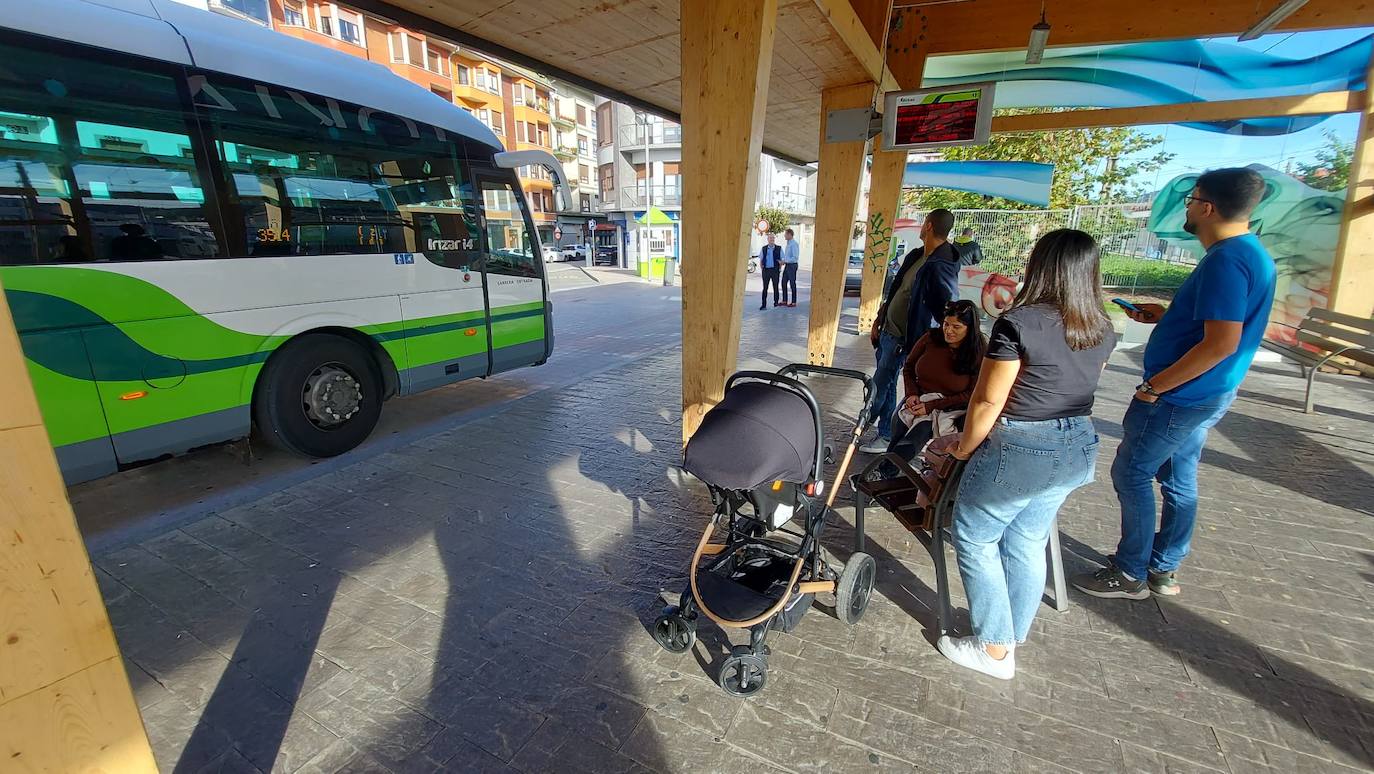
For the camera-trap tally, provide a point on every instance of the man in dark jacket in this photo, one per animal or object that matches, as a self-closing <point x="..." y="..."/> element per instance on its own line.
<point x="970" y="252"/>
<point x="915" y="303"/>
<point x="770" y="259"/>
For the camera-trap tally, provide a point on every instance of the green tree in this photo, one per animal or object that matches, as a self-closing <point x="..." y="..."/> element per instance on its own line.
<point x="1329" y="169"/>
<point x="778" y="219"/>
<point x="1090" y="166"/>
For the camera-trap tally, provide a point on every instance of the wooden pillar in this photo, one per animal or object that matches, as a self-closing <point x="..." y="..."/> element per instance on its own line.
<point x="884" y="202"/>
<point x="1352" y="274"/>
<point x="839" y="173"/>
<point x="65" y="701"/>
<point x="727" y="52"/>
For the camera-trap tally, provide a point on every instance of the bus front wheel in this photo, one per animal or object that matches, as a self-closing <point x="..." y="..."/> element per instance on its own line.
<point x="319" y="396"/>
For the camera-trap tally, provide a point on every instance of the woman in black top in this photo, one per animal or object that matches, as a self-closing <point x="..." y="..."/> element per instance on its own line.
<point x="1030" y="441"/>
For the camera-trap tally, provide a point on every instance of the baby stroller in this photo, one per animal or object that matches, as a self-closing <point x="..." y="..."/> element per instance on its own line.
<point x="761" y="452"/>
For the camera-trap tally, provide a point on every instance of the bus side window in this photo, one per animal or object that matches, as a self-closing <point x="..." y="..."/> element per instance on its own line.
<point x="96" y="163"/>
<point x="317" y="176"/>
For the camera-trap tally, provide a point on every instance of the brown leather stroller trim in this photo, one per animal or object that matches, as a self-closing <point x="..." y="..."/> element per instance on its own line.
<point x="758" y="619"/>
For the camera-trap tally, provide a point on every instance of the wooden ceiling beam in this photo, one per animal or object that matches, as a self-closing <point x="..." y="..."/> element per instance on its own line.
<point x="1323" y="103"/>
<point x="855" y="33"/>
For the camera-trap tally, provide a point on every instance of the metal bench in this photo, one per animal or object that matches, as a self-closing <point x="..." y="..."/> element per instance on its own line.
<point x="1333" y="335"/>
<point x="931" y="525"/>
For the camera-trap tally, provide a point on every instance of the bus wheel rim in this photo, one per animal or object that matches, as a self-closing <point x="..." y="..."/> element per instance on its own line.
<point x="331" y="396"/>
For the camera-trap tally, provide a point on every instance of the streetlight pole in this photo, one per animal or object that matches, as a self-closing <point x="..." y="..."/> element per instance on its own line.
<point x="648" y="185"/>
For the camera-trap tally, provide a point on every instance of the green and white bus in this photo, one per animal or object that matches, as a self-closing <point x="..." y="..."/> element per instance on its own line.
<point x="205" y="225"/>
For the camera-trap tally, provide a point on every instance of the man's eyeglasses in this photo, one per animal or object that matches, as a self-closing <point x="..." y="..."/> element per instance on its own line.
<point x="1198" y="199"/>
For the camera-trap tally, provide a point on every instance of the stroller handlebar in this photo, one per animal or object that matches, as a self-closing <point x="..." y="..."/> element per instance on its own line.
<point x="865" y="417"/>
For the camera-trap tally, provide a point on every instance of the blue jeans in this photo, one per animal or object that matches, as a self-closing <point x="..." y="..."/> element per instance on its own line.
<point x="890" y="355"/>
<point x="1160" y="442"/>
<point x="1009" y="496"/>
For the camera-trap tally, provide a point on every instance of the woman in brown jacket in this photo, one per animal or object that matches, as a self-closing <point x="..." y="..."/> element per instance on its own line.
<point x="943" y="362"/>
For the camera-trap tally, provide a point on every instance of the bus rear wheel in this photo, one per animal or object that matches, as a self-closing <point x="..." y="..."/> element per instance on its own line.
<point x="319" y="396"/>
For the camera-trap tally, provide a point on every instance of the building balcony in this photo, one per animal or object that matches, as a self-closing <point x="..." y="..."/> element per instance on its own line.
<point x="792" y="202"/>
<point x="473" y="96"/>
<point x="565" y="153"/>
<point x="633" y="136"/>
<point x="638" y="198"/>
<point x="566" y="122"/>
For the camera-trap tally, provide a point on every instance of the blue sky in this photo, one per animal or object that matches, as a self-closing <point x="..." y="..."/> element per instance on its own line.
<point x="1195" y="150"/>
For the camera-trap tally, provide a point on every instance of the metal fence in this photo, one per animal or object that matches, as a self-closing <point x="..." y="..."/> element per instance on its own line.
<point x="1132" y="257"/>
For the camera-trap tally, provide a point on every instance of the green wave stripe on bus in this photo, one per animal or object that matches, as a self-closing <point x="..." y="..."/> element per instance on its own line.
<point x="94" y="297"/>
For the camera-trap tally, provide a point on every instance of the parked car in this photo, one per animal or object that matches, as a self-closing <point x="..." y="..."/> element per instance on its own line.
<point x="854" y="272"/>
<point x="606" y="255"/>
<point x="574" y="252"/>
<point x="551" y="254"/>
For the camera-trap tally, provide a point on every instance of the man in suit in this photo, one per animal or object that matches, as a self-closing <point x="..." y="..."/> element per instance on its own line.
<point x="915" y="303"/>
<point x="770" y="259"/>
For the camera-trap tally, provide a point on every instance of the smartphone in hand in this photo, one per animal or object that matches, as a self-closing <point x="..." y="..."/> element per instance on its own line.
<point x="1124" y="304"/>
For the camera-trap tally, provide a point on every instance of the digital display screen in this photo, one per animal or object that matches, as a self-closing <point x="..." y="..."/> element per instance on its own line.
<point x="932" y="118"/>
<point x="948" y="118"/>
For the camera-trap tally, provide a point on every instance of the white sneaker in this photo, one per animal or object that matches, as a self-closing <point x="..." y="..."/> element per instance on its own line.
<point x="876" y="446"/>
<point x="968" y="652"/>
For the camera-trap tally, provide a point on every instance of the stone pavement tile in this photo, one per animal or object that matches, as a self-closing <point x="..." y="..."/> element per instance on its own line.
<point x="231" y="762"/>
<point x="1349" y="679"/>
<point x="558" y="749"/>
<point x="177" y="734"/>
<point x="534" y="685"/>
<point x="1038" y="735"/>
<point x="246" y="545"/>
<point x="801" y="747"/>
<point x="596" y="713"/>
<point x="330" y="759"/>
<point x="450" y="752"/>
<point x="264" y="726"/>
<point x="1189" y="740"/>
<point x="360" y="649"/>
<point x="796" y="695"/>
<point x="384" y="612"/>
<point x="876" y="680"/>
<point x="663" y="744"/>
<point x="179" y="597"/>
<point x="186" y="667"/>
<point x="1143" y="760"/>
<point x="363" y="763"/>
<point x="914" y="738"/>
<point x="1247" y="754"/>
<point x="216" y="569"/>
<point x="669" y="692"/>
<point x="1026" y="764"/>
<point x="437" y="638"/>
<point x="488" y="720"/>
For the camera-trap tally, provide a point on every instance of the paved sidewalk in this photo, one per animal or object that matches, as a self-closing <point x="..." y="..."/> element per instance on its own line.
<point x="476" y="600"/>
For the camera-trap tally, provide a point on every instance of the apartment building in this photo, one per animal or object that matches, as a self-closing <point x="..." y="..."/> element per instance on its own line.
<point x="639" y="166"/>
<point x="515" y="103"/>
<point x="639" y="180"/>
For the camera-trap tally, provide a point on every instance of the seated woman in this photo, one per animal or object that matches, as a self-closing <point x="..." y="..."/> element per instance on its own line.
<point x="1029" y="440"/>
<point x="943" y="362"/>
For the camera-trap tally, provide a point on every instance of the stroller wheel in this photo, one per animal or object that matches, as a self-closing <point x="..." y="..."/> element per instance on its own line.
<point x="675" y="633"/>
<point x="743" y="673"/>
<point x="854" y="587"/>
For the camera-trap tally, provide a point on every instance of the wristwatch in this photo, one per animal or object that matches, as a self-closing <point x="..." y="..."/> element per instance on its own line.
<point x="1147" y="388"/>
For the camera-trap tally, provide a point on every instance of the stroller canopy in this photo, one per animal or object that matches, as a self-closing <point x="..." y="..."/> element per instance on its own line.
<point x="758" y="434"/>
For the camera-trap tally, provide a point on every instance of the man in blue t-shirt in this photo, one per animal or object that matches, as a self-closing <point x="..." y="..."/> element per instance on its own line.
<point x="1195" y="360"/>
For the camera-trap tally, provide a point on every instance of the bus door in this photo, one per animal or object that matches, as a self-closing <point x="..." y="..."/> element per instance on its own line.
<point x="443" y="307"/>
<point x="514" y="267"/>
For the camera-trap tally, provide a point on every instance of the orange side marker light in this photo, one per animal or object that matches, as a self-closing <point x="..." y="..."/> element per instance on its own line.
<point x="134" y="395"/>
